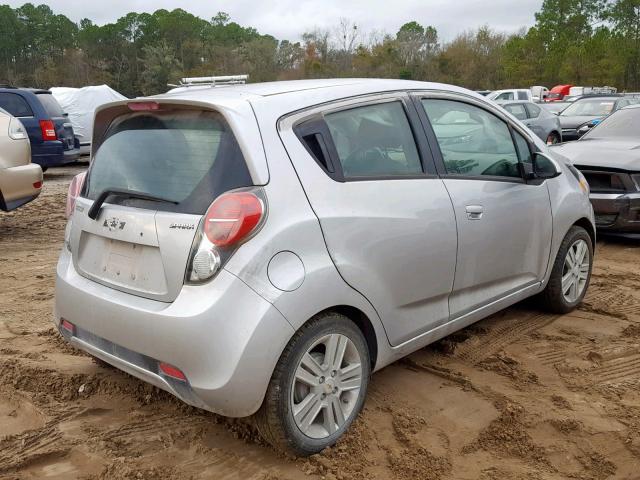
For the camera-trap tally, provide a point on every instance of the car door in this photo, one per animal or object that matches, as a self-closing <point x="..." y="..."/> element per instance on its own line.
<point x="504" y="223"/>
<point x="387" y="219"/>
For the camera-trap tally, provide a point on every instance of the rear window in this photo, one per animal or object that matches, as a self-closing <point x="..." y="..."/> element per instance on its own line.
<point x="50" y="104"/>
<point x="15" y="105"/>
<point x="185" y="156"/>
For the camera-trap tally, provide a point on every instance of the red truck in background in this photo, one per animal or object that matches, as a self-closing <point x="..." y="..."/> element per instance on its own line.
<point x="557" y="93"/>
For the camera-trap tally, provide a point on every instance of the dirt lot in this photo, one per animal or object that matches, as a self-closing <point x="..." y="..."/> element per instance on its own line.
<point x="522" y="395"/>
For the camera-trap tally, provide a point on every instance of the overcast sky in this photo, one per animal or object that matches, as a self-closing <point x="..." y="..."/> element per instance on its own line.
<point x="288" y="19"/>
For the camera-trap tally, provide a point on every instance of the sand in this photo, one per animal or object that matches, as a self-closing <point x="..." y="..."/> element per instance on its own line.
<point x="520" y="395"/>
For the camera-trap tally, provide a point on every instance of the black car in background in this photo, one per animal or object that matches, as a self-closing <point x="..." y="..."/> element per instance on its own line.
<point x="609" y="157"/>
<point x="589" y="110"/>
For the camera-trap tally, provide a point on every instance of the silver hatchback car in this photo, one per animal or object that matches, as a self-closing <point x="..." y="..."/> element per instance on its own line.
<point x="261" y="249"/>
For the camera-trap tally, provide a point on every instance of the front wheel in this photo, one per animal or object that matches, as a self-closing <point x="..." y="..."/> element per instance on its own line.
<point x="571" y="272"/>
<point x="318" y="386"/>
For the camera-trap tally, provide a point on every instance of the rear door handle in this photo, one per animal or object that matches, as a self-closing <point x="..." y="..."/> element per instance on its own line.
<point x="474" y="212"/>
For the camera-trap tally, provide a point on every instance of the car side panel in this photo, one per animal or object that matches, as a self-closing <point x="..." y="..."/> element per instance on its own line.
<point x="568" y="206"/>
<point x="295" y="229"/>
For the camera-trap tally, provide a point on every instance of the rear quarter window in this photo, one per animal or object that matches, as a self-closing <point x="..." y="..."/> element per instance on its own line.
<point x="15" y="105"/>
<point x="185" y="156"/>
<point x="50" y="104"/>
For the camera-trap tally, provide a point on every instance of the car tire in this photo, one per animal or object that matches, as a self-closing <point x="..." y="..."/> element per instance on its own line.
<point x="553" y="138"/>
<point x="331" y="413"/>
<point x="575" y="271"/>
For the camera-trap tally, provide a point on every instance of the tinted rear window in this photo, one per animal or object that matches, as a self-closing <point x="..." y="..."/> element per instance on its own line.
<point x="15" y="105"/>
<point x="50" y="104"/>
<point x="186" y="156"/>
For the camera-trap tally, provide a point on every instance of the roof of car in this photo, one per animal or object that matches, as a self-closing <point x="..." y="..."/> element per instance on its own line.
<point x="13" y="89"/>
<point x="287" y="96"/>
<point x="279" y="88"/>
<point x="512" y="102"/>
<point x="606" y="96"/>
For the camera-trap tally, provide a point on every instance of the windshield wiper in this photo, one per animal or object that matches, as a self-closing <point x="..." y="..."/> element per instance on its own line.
<point x="97" y="204"/>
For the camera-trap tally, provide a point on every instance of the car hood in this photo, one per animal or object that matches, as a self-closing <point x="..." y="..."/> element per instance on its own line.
<point x="622" y="154"/>
<point x="575" y="121"/>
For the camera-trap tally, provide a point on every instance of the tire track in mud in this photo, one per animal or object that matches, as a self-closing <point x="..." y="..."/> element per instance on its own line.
<point x="502" y="332"/>
<point x="553" y="356"/>
<point x="610" y="301"/>
<point x="17" y="451"/>
<point x="625" y="369"/>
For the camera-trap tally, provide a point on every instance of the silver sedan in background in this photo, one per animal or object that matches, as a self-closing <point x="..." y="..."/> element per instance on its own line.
<point x="543" y="123"/>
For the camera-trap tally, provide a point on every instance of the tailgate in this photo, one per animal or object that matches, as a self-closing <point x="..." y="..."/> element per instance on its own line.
<point x="158" y="170"/>
<point x="138" y="251"/>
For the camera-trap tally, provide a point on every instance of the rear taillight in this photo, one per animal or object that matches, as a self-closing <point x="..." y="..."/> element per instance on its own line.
<point x="48" y="130"/>
<point x="231" y="219"/>
<point x="74" y="192"/>
<point x="17" y="130"/>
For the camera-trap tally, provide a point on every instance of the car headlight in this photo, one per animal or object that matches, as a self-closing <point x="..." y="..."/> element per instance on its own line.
<point x="584" y="185"/>
<point x="636" y="179"/>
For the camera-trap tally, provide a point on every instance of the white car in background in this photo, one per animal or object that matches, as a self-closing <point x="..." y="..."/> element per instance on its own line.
<point x="20" y="180"/>
<point x="511" y="94"/>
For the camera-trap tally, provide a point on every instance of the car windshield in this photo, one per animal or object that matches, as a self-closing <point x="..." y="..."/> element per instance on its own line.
<point x="593" y="107"/>
<point x="623" y="123"/>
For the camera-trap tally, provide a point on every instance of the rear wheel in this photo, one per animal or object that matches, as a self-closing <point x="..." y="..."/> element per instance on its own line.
<point x="571" y="272"/>
<point x="553" y="138"/>
<point x="318" y="386"/>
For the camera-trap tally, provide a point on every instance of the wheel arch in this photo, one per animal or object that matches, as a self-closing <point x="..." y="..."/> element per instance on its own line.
<point x="362" y="321"/>
<point x="588" y="226"/>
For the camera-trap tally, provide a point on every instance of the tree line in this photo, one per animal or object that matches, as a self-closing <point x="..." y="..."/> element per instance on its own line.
<point x="583" y="42"/>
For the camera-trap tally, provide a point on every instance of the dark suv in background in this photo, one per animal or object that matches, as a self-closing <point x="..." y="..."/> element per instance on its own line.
<point x="52" y="139"/>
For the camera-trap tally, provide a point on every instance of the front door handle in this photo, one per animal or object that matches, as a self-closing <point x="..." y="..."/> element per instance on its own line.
<point x="474" y="212"/>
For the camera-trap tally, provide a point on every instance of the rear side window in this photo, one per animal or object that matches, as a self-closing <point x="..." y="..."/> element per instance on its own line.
<point x="517" y="110"/>
<point x="374" y="141"/>
<point x="15" y="105"/>
<point x="505" y="96"/>
<point x="534" y="110"/>
<point x="50" y="104"/>
<point x="185" y="156"/>
<point x="523" y="96"/>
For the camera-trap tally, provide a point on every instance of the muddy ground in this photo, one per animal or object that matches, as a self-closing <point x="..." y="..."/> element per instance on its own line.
<point x="521" y="395"/>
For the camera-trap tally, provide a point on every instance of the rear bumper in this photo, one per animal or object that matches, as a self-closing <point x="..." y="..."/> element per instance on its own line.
<point x="222" y="335"/>
<point x="53" y="154"/>
<point x="617" y="213"/>
<point x="17" y="185"/>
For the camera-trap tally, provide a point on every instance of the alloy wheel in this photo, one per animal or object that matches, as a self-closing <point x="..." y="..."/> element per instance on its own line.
<point x="326" y="386"/>
<point x="575" y="271"/>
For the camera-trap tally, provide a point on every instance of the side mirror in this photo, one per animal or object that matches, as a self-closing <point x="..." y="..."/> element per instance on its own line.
<point x="543" y="167"/>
